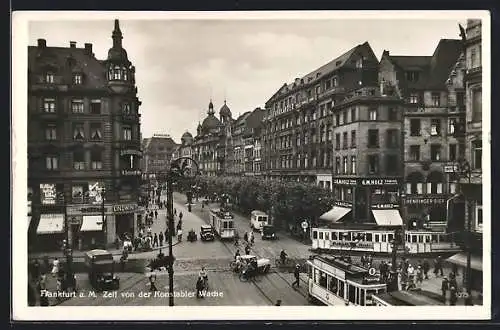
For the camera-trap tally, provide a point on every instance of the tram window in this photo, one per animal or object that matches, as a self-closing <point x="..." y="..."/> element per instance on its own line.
<point x="230" y="224"/>
<point x="420" y="238"/>
<point x="327" y="236"/>
<point x="414" y="238"/>
<point x="443" y="238"/>
<point x="333" y="285"/>
<point x="377" y="238"/>
<point x="309" y="271"/>
<point x="362" y="298"/>
<point x="315" y="234"/>
<point x="384" y="238"/>
<point x="357" y="296"/>
<point x="390" y="237"/>
<point x="341" y="289"/>
<point x="322" y="280"/>
<point x="348" y="236"/>
<point x="427" y="239"/>
<point x="351" y="293"/>
<point x="434" y="238"/>
<point x="368" y="237"/>
<point x="320" y="235"/>
<point x="334" y="236"/>
<point x="316" y="276"/>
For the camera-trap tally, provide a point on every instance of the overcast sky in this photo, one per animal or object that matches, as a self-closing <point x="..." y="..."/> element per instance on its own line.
<point x="181" y="64"/>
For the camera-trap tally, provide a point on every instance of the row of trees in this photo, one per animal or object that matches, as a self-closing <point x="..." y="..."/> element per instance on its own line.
<point x="288" y="203"/>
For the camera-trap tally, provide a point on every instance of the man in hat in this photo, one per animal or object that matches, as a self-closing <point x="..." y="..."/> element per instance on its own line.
<point x="296" y="274"/>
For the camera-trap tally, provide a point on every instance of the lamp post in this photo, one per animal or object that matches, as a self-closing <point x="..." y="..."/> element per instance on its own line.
<point x="179" y="169"/>
<point x="104" y="230"/>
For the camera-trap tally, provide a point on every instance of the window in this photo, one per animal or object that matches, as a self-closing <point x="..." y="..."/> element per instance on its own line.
<point x="342" y="119"/>
<point x="436" y="99"/>
<point x="328" y="84"/>
<point x="452" y="149"/>
<point x="127" y="133"/>
<point x="337" y="119"/>
<point x="95" y="107"/>
<point x="49" y="105"/>
<point x="346" y="116"/>
<point x="435" y="152"/>
<point x="373" y="164"/>
<point x="353" y="164"/>
<point x="391" y="164"/>
<point x="477" y="112"/>
<point x="344" y="165"/>
<point x="51" y="162"/>
<point x="435" y="127"/>
<point x="415" y="152"/>
<point x="392" y="114"/>
<point x="337" y="141"/>
<point x="373" y="138"/>
<point x="78" y="132"/>
<point x="353" y="114"/>
<point x="373" y="114"/>
<point x="77" y="79"/>
<point x="460" y="98"/>
<point x="79" y="160"/>
<point x="479" y="216"/>
<point x="344" y="142"/>
<point x="335" y="82"/>
<point x="392" y="138"/>
<point x="95" y="131"/>
<point x="477" y="154"/>
<point x="452" y="125"/>
<point x="473" y="58"/>
<point x="51" y="132"/>
<point x="353" y="139"/>
<point x="359" y="63"/>
<point x="414" y="127"/>
<point x="413" y="99"/>
<point x="337" y="165"/>
<point x="77" y="106"/>
<point x="330" y="133"/>
<point x="49" y="78"/>
<point x="412" y="76"/>
<point x="96" y="159"/>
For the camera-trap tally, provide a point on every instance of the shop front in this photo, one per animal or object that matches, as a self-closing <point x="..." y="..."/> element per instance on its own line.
<point x="123" y="222"/>
<point x="86" y="225"/>
<point x="428" y="212"/>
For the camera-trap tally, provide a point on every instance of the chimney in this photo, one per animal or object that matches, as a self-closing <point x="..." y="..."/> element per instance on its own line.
<point x="385" y="53"/>
<point x="88" y="49"/>
<point x="42" y="43"/>
<point x="72" y="44"/>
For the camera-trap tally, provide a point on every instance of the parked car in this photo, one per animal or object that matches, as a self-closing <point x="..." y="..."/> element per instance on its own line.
<point x="207" y="233"/>
<point x="268" y="232"/>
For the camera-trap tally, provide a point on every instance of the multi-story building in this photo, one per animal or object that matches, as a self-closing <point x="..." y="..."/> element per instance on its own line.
<point x="298" y="134"/>
<point x="251" y="142"/>
<point x="430" y="140"/>
<point x="238" y="128"/>
<point x="83" y="144"/>
<point x="158" y="151"/>
<point x="211" y="146"/>
<point x="185" y="149"/>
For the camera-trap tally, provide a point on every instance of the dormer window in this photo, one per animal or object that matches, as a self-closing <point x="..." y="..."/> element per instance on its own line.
<point x="412" y="76"/>
<point x="117" y="73"/>
<point x="77" y="79"/>
<point x="359" y="63"/>
<point x="49" y="78"/>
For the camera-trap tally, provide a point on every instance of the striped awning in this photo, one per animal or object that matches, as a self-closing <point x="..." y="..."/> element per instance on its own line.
<point x="50" y="224"/>
<point x="92" y="223"/>
<point x="335" y="214"/>
<point x="387" y="217"/>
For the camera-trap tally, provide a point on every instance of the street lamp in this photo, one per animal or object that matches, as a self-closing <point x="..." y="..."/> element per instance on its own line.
<point x="179" y="169"/>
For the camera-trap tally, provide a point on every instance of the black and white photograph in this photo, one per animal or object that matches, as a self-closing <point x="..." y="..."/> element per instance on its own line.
<point x="263" y="165"/>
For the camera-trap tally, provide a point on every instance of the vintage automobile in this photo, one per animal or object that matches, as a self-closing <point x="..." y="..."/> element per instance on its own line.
<point x="268" y="232"/>
<point x="100" y="267"/>
<point x="192" y="236"/>
<point x="207" y="233"/>
<point x="263" y="264"/>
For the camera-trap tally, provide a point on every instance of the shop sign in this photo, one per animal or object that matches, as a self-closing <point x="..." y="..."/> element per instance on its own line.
<point x="48" y="193"/>
<point x="385" y="206"/>
<point x="450" y="168"/>
<point x="347" y="182"/>
<point x="130" y="152"/>
<point x="131" y="172"/>
<point x="95" y="192"/>
<point x="379" y="182"/>
<point x="86" y="209"/>
<point x="424" y="201"/>
<point x="343" y="204"/>
<point x="124" y="208"/>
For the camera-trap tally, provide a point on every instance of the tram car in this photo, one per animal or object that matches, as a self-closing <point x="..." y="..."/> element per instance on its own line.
<point x="408" y="298"/>
<point x="378" y="240"/>
<point x="222" y="222"/>
<point x="335" y="282"/>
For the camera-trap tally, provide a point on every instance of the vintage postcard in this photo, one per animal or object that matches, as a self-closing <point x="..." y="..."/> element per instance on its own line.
<point x="264" y="165"/>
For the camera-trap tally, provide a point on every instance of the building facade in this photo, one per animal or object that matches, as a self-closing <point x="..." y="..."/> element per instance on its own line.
<point x="185" y="149"/>
<point x="431" y="143"/>
<point x="298" y="134"/>
<point x="251" y="142"/>
<point x="83" y="144"/>
<point x="212" y="143"/>
<point x="158" y="152"/>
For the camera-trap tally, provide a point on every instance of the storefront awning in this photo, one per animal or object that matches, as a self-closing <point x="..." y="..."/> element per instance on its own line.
<point x="335" y="214"/>
<point x="50" y="224"/>
<point x="91" y="223"/>
<point x="387" y="217"/>
<point x="460" y="259"/>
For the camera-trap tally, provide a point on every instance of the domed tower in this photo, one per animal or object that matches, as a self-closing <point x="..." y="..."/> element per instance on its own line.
<point x="225" y="113"/>
<point x="186" y="139"/>
<point x="121" y="73"/>
<point x="210" y="124"/>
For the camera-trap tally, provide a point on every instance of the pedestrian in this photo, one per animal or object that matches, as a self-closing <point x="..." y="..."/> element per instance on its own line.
<point x="179" y="235"/>
<point x="278" y="302"/>
<point x="420" y="275"/>
<point x="55" y="267"/>
<point x="160" y="237"/>
<point x="199" y="287"/>
<point x="245" y="237"/>
<point x="175" y="211"/>
<point x="436" y="267"/>
<point x="444" y="288"/>
<point x="156" y="214"/>
<point x="363" y="260"/>
<point x="247" y="249"/>
<point x="453" y="296"/>
<point x="453" y="281"/>
<point x="152" y="280"/>
<point x="166" y="235"/>
<point x="426" y="268"/>
<point x="236" y="255"/>
<point x="252" y="240"/>
<point x="440" y="265"/>
<point x="155" y="240"/>
<point x="296" y="274"/>
<point x="180" y="216"/>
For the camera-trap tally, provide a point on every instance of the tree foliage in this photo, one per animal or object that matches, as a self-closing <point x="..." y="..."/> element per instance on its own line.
<point x="288" y="203"/>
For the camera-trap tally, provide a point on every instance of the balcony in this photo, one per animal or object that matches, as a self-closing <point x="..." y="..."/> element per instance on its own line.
<point x="127" y="144"/>
<point x="473" y="71"/>
<point x="130" y="117"/>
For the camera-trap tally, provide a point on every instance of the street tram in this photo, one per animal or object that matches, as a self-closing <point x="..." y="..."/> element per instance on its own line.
<point x="377" y="240"/>
<point x="335" y="282"/>
<point x="408" y="298"/>
<point x="223" y="223"/>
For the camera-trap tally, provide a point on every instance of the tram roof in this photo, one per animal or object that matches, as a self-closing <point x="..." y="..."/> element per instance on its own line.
<point x="355" y="226"/>
<point x="411" y="298"/>
<point x="345" y="266"/>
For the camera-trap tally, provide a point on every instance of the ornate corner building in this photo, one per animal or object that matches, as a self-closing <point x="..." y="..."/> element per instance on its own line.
<point x="84" y="146"/>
